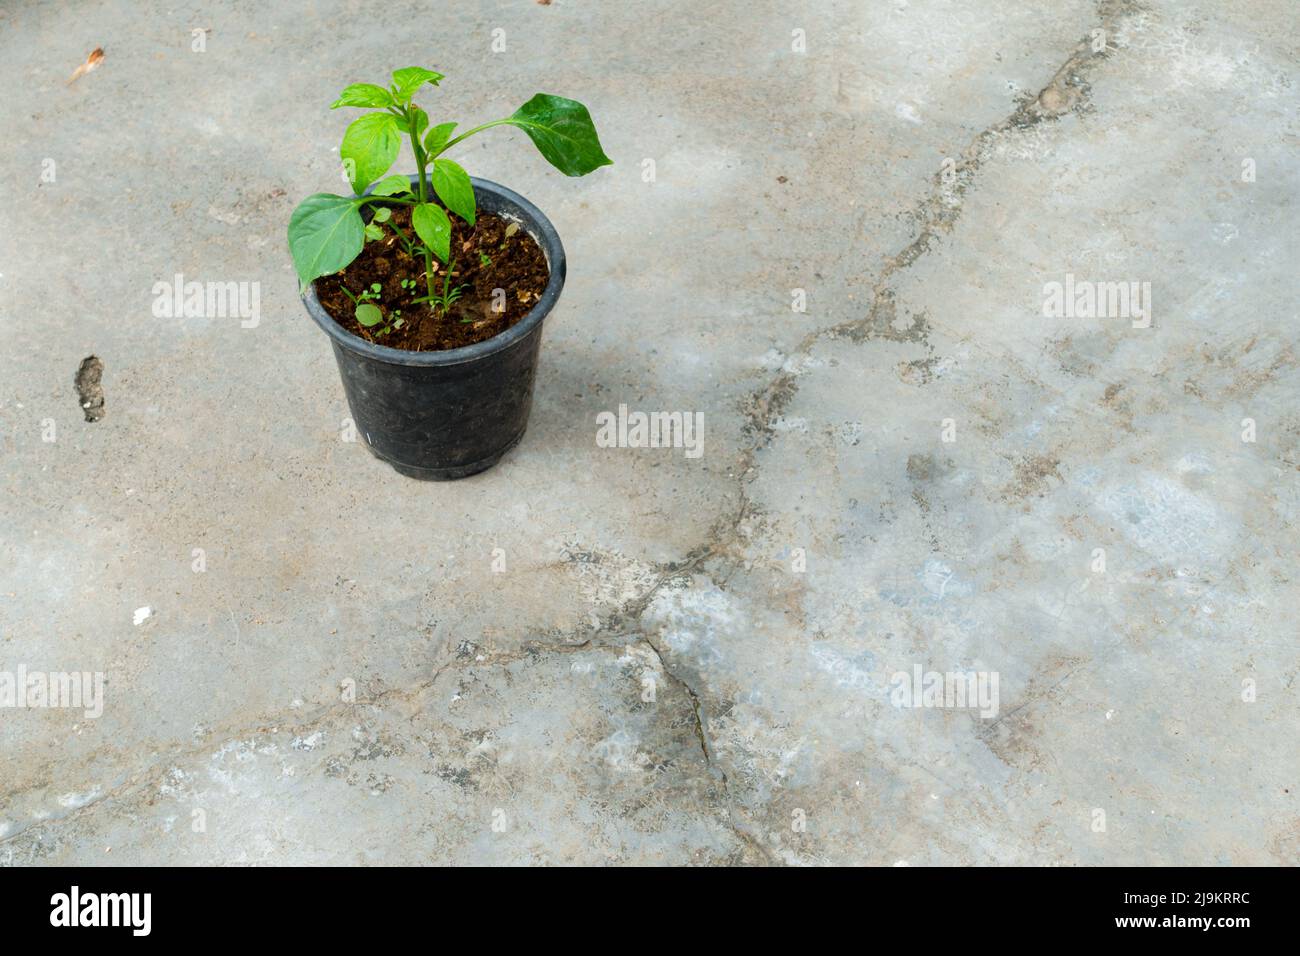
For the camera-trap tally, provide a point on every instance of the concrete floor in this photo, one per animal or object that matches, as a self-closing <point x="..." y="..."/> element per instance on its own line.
<point x="652" y="679"/>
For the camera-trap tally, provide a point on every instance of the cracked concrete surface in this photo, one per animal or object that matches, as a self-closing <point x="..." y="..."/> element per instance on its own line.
<point x="684" y="661"/>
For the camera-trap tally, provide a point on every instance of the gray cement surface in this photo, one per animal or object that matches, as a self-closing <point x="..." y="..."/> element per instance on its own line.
<point x="310" y="659"/>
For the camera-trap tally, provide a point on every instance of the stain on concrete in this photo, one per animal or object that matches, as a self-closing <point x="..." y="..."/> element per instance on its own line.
<point x="1031" y="476"/>
<point x="90" y="390"/>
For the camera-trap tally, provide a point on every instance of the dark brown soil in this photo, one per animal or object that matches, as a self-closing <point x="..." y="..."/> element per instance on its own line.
<point x="485" y="259"/>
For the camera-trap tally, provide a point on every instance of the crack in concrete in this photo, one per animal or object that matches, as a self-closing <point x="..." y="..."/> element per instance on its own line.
<point x="938" y="213"/>
<point x="1066" y="92"/>
<point x="132" y="783"/>
<point x="734" y="816"/>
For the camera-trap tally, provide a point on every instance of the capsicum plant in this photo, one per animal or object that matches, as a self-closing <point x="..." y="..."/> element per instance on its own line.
<point x="326" y="232"/>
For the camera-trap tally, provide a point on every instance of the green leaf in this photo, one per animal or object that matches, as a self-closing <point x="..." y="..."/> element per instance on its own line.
<point x="373" y="231"/>
<point x="369" y="315"/>
<point x="393" y="185"/>
<point x="562" y="131"/>
<point x="325" y="234"/>
<point x="369" y="148"/>
<point x="436" y="138"/>
<point x="409" y="79"/>
<point x="453" y="187"/>
<point x="363" y="94"/>
<point x="382" y="214"/>
<point x="432" y="225"/>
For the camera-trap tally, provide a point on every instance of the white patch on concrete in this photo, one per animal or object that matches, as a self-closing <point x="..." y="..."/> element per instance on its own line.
<point x="905" y="111"/>
<point x="230" y="218"/>
<point x="621" y="751"/>
<point x="1195" y="464"/>
<point x="941" y="581"/>
<point x="639" y="657"/>
<point x="844" y="670"/>
<point x="173" y="784"/>
<point x="75" y="801"/>
<point x="850" y="433"/>
<point x="761" y="749"/>
<point x="1224" y="232"/>
<point x="1177" y="59"/>
<point x="141" y="615"/>
<point x="207" y="126"/>
<point x="798" y="364"/>
<point x="694" y="622"/>
<point x="308" y="743"/>
<point x="243" y="751"/>
<point x="1165" y="519"/>
<point x="607" y="578"/>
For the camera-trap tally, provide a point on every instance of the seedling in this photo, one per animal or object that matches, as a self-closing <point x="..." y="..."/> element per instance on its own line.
<point x="409" y="245"/>
<point x="375" y="228"/>
<point x="445" y="299"/>
<point x="484" y="260"/>
<point x="372" y="315"/>
<point x="365" y="294"/>
<point x="327" y="232"/>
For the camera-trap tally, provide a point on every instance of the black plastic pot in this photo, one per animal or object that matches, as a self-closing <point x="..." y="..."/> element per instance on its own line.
<point x="445" y="415"/>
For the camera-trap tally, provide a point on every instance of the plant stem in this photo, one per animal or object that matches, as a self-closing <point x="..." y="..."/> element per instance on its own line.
<point x="421" y="164"/>
<point x="446" y="288"/>
<point x="468" y="133"/>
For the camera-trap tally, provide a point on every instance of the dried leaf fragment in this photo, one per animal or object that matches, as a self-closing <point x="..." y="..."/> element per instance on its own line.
<point x="96" y="57"/>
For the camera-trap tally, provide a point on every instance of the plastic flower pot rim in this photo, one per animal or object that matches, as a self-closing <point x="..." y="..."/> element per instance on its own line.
<point x="537" y="225"/>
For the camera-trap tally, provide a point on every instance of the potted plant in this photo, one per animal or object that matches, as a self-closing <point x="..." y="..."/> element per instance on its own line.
<point x="433" y="286"/>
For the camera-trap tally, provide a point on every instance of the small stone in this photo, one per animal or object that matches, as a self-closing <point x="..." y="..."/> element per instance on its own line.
<point x="1052" y="100"/>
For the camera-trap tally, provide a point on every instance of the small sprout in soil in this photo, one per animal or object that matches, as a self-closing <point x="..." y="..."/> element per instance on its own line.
<point x="409" y="246"/>
<point x="371" y="293"/>
<point x="447" y="298"/>
<point x="327" y="232"/>
<point x="484" y="260"/>
<point x="374" y="228"/>
<point x="371" y="315"/>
